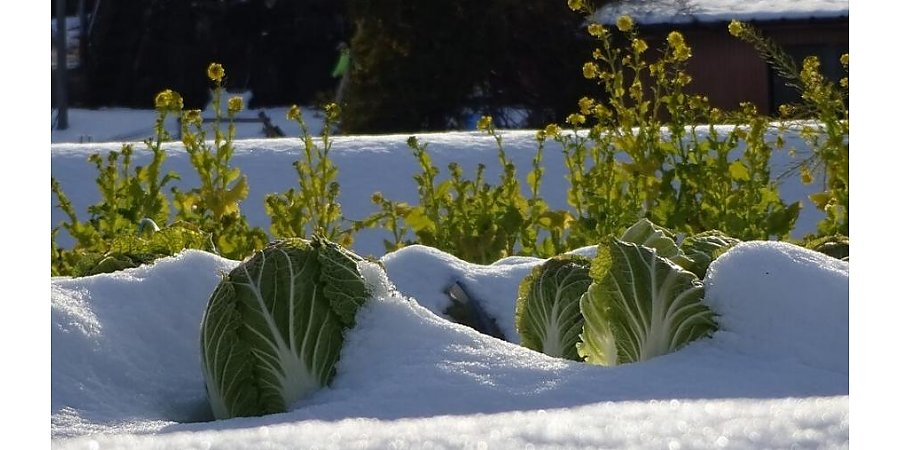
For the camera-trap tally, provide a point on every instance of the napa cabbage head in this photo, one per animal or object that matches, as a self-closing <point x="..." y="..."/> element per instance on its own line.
<point x="694" y="253"/>
<point x="274" y="327"/>
<point x="548" y="316"/>
<point x="640" y="305"/>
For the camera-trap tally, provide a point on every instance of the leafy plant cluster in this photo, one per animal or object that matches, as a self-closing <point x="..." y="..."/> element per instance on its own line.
<point x="639" y="298"/>
<point x="135" y="222"/>
<point x="828" y="135"/>
<point x="635" y="150"/>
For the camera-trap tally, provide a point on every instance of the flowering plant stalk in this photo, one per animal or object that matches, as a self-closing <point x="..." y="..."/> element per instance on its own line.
<point x="828" y="134"/>
<point x="313" y="208"/>
<point x="214" y="206"/>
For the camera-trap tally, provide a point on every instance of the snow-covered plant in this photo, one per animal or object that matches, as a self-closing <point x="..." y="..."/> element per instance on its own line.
<point x="699" y="250"/>
<point x="694" y="253"/>
<point x="548" y="315"/>
<point x="274" y="327"/>
<point x="639" y="306"/>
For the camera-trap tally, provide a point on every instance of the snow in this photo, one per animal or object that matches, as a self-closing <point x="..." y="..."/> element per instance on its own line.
<point x="649" y="12"/>
<point x="135" y="125"/>
<point x="126" y="366"/>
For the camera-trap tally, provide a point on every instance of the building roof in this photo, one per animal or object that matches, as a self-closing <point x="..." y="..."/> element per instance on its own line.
<point x="649" y="12"/>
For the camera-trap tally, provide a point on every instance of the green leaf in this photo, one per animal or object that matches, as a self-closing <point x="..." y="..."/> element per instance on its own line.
<point x="419" y="221"/>
<point x="701" y="249"/>
<point x="646" y="233"/>
<point x="273" y="328"/>
<point x="738" y="171"/>
<point x="548" y="317"/>
<point x="641" y="304"/>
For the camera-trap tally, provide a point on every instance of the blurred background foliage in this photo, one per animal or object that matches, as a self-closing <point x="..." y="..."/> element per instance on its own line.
<point x="415" y="65"/>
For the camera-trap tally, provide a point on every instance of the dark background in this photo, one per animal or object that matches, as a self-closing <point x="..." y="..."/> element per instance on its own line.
<point x="416" y="65"/>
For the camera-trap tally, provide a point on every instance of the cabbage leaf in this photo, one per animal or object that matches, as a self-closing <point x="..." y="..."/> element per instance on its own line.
<point x="274" y="326"/>
<point x="548" y="317"/>
<point x="701" y="249"/>
<point x="639" y="306"/>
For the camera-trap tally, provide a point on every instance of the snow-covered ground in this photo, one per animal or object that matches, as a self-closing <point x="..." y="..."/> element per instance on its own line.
<point x="125" y="366"/>
<point x="134" y="125"/>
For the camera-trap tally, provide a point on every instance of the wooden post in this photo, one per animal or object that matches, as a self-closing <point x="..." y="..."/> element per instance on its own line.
<point x="62" y="102"/>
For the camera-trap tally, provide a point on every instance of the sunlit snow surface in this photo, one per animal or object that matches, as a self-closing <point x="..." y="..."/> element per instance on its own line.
<point x="648" y="12"/>
<point x="126" y="365"/>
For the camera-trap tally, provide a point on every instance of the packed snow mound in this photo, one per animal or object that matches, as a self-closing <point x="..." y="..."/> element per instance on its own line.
<point x="126" y="363"/>
<point x="778" y="300"/>
<point x="126" y="344"/>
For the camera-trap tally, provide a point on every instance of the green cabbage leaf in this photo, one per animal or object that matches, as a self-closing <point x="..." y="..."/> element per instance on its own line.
<point x="548" y="316"/>
<point x="701" y="249"/>
<point x="274" y="327"/>
<point x="639" y="306"/>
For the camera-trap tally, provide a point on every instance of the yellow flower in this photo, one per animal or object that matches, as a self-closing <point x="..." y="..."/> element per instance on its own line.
<point x="485" y="123"/>
<point x="576" y="5"/>
<point x="675" y="39"/>
<point x="163" y="99"/>
<point x="735" y="28"/>
<point x="715" y="115"/>
<point x="215" y="72"/>
<point x="624" y="23"/>
<point x="551" y="130"/>
<point x="293" y="113"/>
<point x="845" y="59"/>
<point x="192" y="117"/>
<point x="540" y="135"/>
<point x="585" y="105"/>
<point x="845" y="82"/>
<point x="575" y="119"/>
<point x="785" y="110"/>
<point x="682" y="53"/>
<point x="596" y="30"/>
<point x="590" y="70"/>
<point x="636" y="90"/>
<point x="235" y="104"/>
<point x="176" y="103"/>
<point x="597" y="53"/>
<point x="639" y="45"/>
<point x="332" y="111"/>
<point x="168" y="100"/>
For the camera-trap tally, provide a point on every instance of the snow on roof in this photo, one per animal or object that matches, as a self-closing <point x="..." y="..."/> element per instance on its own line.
<point x="648" y="12"/>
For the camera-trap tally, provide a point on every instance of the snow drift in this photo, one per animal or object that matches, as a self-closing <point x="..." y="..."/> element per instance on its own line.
<point x="126" y="365"/>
